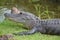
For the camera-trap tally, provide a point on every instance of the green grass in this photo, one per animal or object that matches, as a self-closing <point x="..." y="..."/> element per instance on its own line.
<point x="7" y="27"/>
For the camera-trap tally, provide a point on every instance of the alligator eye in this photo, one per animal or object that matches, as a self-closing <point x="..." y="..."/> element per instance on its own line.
<point x="20" y="12"/>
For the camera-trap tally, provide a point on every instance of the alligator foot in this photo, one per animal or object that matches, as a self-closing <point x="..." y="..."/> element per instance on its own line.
<point x="22" y="33"/>
<point x="33" y="30"/>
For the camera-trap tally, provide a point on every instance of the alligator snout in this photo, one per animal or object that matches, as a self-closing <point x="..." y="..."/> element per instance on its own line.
<point x="6" y="14"/>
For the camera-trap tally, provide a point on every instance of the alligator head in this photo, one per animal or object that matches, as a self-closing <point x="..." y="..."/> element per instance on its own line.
<point x="20" y="16"/>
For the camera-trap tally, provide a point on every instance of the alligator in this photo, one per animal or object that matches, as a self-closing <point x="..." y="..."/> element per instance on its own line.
<point x="34" y="23"/>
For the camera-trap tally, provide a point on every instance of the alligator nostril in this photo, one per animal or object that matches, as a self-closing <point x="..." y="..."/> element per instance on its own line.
<point x="5" y="14"/>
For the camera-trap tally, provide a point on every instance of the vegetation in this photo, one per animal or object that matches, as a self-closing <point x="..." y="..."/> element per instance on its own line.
<point x="42" y="8"/>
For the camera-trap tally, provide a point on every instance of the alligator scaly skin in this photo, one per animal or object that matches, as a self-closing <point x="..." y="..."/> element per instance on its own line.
<point x="50" y="26"/>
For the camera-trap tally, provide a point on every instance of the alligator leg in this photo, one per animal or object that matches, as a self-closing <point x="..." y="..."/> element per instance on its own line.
<point x="33" y="30"/>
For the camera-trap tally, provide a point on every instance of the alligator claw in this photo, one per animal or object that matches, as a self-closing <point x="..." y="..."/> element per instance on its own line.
<point x="20" y="33"/>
